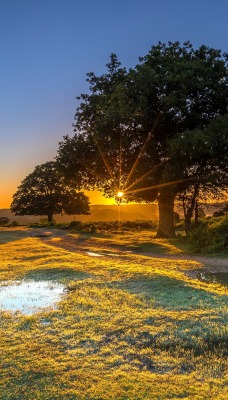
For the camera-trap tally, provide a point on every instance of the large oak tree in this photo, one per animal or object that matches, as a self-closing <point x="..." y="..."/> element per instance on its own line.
<point x="128" y="128"/>
<point x="45" y="192"/>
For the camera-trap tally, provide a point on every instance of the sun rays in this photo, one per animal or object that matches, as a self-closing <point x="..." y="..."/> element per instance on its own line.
<point x="122" y="184"/>
<point x="141" y="152"/>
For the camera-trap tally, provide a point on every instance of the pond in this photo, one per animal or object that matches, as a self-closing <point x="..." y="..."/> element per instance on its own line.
<point x="218" y="277"/>
<point x="29" y="297"/>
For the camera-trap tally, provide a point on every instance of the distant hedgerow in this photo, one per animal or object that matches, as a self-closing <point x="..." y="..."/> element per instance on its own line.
<point x="111" y="225"/>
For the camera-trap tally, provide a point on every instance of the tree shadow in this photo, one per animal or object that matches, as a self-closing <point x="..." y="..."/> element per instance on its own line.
<point x="56" y="274"/>
<point x="11" y="234"/>
<point x="160" y="246"/>
<point x="172" y="294"/>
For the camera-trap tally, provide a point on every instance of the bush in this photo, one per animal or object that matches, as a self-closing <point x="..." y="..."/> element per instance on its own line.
<point x="4" y="220"/>
<point x="219" y="213"/>
<point x="75" y="225"/>
<point x="51" y="224"/>
<point x="210" y="236"/>
<point x="14" y="223"/>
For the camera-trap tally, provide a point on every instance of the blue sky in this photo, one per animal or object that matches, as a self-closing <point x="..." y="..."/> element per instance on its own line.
<point x="48" y="46"/>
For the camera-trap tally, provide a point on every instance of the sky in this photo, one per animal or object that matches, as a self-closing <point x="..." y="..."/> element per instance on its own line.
<point x="48" y="46"/>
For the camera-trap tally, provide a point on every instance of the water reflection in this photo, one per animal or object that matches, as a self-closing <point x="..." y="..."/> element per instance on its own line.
<point x="29" y="297"/>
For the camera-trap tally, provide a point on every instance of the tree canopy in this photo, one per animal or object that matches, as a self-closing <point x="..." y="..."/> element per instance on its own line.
<point x="45" y="192"/>
<point x="136" y="130"/>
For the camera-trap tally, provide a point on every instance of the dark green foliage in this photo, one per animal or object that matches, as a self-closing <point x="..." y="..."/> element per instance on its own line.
<point x="44" y="192"/>
<point x="210" y="236"/>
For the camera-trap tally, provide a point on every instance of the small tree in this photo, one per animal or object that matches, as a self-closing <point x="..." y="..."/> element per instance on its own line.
<point x="45" y="192"/>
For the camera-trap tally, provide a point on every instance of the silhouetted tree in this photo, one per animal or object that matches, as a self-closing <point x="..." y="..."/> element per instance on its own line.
<point x="44" y="192"/>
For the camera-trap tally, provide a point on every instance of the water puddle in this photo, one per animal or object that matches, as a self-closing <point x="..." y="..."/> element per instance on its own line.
<point x="29" y="297"/>
<point x="103" y="254"/>
<point x="111" y="254"/>
<point x="219" y="277"/>
<point x="92" y="254"/>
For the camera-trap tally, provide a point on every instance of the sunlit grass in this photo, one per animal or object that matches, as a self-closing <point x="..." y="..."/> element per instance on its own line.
<point x="128" y="327"/>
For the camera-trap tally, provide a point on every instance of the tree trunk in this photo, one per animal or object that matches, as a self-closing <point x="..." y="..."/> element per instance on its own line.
<point x="166" y="227"/>
<point x="196" y="213"/>
<point x="187" y="223"/>
<point x="189" y="210"/>
<point x="50" y="217"/>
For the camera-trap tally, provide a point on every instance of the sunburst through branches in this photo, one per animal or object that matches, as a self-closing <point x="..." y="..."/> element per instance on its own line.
<point x="120" y="183"/>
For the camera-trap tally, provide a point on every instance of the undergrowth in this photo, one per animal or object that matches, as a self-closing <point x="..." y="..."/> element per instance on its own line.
<point x="211" y="236"/>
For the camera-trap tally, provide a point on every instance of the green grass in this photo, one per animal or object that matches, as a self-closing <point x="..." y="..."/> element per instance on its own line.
<point x="129" y="327"/>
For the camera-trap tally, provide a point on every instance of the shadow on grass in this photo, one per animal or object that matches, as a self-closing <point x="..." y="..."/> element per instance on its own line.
<point x="10" y="235"/>
<point x="161" y="246"/>
<point x="172" y="294"/>
<point x="56" y="274"/>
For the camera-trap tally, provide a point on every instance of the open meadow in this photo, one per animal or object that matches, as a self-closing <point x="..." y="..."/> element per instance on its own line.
<point x="136" y="320"/>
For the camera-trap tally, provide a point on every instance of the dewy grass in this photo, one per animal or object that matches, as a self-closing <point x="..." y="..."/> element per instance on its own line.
<point x="129" y="327"/>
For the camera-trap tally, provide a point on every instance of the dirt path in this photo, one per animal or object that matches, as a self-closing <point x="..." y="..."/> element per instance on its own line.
<point x="85" y="244"/>
<point x="213" y="263"/>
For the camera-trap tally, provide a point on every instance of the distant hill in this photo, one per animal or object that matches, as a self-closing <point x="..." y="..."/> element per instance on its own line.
<point x="129" y="212"/>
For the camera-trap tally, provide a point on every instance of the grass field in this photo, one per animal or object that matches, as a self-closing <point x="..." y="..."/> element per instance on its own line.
<point x="130" y="325"/>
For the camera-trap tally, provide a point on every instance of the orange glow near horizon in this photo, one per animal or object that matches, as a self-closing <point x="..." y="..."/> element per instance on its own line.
<point x="6" y="197"/>
<point x="95" y="196"/>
